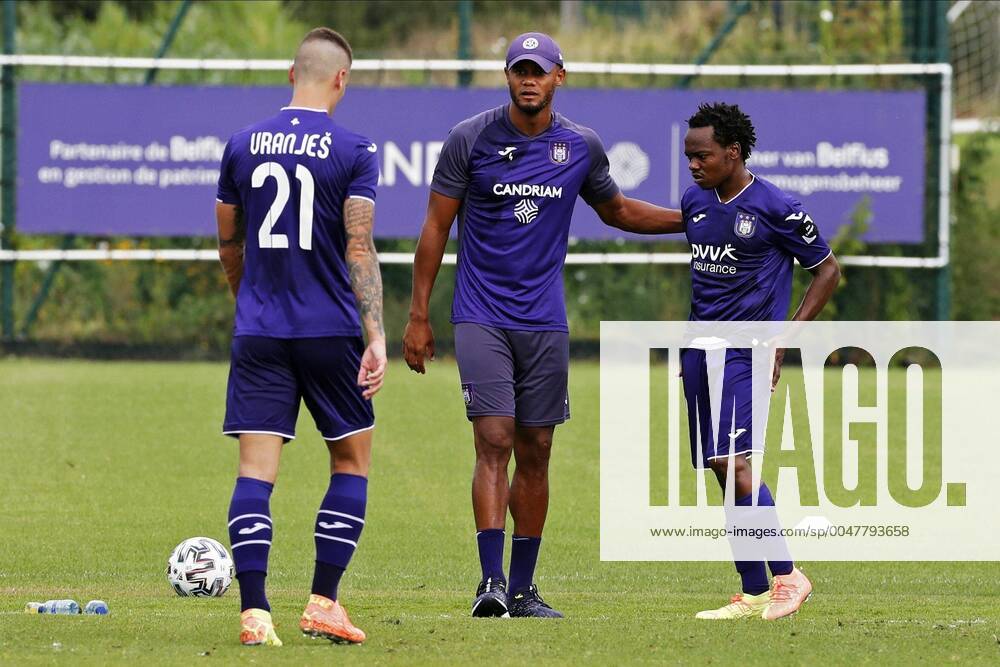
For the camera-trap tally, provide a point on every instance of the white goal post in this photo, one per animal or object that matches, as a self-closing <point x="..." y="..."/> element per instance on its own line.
<point x="942" y="70"/>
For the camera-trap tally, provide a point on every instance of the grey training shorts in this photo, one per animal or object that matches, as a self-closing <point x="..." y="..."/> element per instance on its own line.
<point x="519" y="374"/>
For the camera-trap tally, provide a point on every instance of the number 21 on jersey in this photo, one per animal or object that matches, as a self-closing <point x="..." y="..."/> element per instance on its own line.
<point x="307" y="192"/>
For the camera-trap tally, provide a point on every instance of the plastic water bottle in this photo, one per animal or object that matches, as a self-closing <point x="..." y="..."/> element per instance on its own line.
<point x="60" y="607"/>
<point x="33" y="608"/>
<point x="98" y="607"/>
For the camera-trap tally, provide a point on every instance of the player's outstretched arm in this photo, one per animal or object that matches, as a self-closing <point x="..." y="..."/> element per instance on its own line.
<point x="232" y="237"/>
<point x="366" y="280"/>
<point x="418" y="339"/>
<point x="639" y="217"/>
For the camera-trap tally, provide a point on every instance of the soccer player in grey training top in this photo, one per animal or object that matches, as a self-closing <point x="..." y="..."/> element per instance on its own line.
<point x="512" y="175"/>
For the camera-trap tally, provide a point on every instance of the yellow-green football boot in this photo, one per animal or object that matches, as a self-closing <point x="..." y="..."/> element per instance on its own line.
<point x="740" y="606"/>
<point x="257" y="629"/>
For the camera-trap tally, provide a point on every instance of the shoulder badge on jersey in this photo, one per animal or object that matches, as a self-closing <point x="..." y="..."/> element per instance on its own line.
<point x="746" y="225"/>
<point x="807" y="228"/>
<point x="559" y="152"/>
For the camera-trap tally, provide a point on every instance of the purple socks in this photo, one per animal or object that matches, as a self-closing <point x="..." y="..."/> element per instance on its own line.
<point x="250" y="532"/>
<point x="339" y="523"/>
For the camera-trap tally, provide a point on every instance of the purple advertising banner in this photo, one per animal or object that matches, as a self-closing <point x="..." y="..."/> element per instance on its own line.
<point x="143" y="161"/>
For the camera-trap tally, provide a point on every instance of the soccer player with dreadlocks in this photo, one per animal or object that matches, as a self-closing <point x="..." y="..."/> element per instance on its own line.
<point x="744" y="234"/>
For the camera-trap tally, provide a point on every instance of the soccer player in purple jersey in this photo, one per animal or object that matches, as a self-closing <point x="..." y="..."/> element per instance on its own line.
<point x="512" y="175"/>
<point x="744" y="233"/>
<point x="296" y="205"/>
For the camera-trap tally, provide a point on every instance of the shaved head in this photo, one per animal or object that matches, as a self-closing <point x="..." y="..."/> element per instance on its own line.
<point x="321" y="55"/>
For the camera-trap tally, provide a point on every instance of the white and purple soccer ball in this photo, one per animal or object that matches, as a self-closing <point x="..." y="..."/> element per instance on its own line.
<point x="200" y="567"/>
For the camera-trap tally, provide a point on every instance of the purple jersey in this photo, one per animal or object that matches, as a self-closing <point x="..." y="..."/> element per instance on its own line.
<point x="518" y="195"/>
<point x="742" y="250"/>
<point x="290" y="175"/>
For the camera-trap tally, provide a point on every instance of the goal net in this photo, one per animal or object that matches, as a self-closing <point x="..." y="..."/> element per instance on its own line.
<point x="974" y="33"/>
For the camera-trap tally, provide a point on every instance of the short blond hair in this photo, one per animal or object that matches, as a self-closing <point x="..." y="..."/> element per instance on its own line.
<point x="330" y="35"/>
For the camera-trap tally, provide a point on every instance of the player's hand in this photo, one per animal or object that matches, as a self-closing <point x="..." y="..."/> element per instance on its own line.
<point x="372" y="371"/>
<point x="779" y="358"/>
<point x="418" y="344"/>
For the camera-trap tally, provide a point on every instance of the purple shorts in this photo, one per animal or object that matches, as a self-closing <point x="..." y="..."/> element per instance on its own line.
<point x="734" y="428"/>
<point x="519" y="374"/>
<point x="269" y="377"/>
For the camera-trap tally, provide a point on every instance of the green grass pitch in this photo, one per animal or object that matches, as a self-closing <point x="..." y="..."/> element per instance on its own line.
<point x="104" y="467"/>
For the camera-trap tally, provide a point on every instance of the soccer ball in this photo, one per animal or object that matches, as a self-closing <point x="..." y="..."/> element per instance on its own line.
<point x="200" y="567"/>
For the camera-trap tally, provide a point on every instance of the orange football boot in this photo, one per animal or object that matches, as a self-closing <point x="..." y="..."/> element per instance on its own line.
<point x="788" y="592"/>
<point x="326" y="618"/>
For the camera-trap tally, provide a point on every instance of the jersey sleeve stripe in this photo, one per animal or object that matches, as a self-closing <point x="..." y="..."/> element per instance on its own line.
<point x="362" y="197"/>
<point x="807" y="268"/>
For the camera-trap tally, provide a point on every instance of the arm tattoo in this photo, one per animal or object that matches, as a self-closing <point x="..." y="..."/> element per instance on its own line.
<point x="240" y="235"/>
<point x="231" y="253"/>
<point x="362" y="262"/>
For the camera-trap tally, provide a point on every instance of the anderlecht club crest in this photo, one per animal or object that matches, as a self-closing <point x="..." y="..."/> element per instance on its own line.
<point x="559" y="152"/>
<point x="746" y="225"/>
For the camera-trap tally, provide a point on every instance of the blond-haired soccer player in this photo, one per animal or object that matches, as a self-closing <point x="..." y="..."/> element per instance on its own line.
<point x="295" y="211"/>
